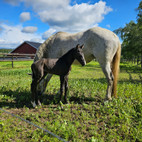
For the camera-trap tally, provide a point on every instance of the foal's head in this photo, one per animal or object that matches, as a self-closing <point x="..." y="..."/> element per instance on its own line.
<point x="78" y="54"/>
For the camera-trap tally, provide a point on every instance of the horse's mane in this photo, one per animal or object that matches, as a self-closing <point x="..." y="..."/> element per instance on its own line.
<point x="42" y="49"/>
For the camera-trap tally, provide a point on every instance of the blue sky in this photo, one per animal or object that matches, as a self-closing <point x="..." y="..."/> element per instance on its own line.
<point x="36" y="20"/>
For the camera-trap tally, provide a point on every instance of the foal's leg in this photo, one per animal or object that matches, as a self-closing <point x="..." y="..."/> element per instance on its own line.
<point x="62" y="82"/>
<point x="109" y="76"/>
<point x="66" y="88"/>
<point x="34" y="92"/>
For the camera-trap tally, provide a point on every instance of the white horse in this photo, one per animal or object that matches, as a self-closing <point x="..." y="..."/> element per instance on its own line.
<point x="99" y="43"/>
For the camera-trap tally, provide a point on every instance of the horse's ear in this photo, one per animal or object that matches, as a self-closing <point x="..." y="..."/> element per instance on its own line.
<point x="77" y="46"/>
<point x="82" y="46"/>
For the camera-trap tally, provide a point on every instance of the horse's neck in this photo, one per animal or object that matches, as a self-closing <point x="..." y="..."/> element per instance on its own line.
<point x="68" y="58"/>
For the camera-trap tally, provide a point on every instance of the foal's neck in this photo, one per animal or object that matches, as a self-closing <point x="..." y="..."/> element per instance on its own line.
<point x="68" y="57"/>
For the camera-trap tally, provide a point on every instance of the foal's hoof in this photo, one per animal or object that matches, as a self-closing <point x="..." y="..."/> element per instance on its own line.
<point x="66" y="101"/>
<point x="39" y="103"/>
<point x="33" y="104"/>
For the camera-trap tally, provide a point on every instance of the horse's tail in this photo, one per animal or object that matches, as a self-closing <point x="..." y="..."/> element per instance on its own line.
<point x="115" y="69"/>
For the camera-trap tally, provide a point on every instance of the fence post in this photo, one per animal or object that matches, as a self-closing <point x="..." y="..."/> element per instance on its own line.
<point x="12" y="61"/>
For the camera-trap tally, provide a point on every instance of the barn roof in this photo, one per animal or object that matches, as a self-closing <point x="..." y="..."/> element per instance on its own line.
<point x="33" y="44"/>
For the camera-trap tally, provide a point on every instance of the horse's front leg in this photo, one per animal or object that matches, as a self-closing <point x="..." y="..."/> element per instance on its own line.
<point x="66" y="89"/>
<point x="42" y="85"/>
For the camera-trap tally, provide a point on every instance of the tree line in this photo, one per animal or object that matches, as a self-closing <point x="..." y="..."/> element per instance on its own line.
<point x="5" y="50"/>
<point x="131" y="35"/>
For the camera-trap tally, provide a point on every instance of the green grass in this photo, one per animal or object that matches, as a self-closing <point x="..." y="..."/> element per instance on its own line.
<point x="87" y="118"/>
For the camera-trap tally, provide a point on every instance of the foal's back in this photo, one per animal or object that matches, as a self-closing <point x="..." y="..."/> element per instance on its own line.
<point x="44" y="65"/>
<point x="56" y="66"/>
<point x="49" y="65"/>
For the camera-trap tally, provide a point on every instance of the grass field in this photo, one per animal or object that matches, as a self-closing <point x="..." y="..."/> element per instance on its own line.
<point x="87" y="118"/>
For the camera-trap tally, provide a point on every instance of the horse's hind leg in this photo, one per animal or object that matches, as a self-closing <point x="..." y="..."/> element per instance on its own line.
<point x="109" y="76"/>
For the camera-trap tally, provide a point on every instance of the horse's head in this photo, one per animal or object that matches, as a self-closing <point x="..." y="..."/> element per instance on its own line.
<point x="78" y="54"/>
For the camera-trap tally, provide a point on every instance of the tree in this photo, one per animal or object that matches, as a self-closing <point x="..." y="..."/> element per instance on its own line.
<point x="131" y="35"/>
<point x="139" y="16"/>
<point x="139" y="24"/>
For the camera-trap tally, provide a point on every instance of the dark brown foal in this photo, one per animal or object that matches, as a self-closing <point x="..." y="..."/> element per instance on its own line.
<point x="60" y="67"/>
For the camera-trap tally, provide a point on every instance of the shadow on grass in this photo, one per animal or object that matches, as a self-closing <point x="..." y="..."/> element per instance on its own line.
<point x="132" y="69"/>
<point x="21" y="97"/>
<point x="16" y="99"/>
<point x="120" y="81"/>
<point x="49" y="99"/>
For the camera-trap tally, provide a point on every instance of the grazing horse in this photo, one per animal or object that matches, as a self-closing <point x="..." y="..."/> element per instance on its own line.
<point x="60" y="67"/>
<point x="99" y="43"/>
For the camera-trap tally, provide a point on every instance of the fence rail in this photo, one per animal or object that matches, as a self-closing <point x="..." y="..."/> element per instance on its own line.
<point x="12" y="57"/>
<point x="16" y="54"/>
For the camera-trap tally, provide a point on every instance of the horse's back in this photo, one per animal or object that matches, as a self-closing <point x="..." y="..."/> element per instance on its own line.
<point x="98" y="43"/>
<point x="92" y="38"/>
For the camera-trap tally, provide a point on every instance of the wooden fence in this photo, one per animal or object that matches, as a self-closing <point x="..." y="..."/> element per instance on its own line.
<point x="12" y="57"/>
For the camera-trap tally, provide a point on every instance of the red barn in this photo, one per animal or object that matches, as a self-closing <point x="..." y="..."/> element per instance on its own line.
<point x="27" y="47"/>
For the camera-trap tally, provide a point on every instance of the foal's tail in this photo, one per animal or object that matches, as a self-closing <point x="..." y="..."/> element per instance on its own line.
<point x="115" y="69"/>
<point x="32" y="68"/>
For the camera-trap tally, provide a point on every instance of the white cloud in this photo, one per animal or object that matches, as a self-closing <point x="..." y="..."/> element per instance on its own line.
<point x="60" y="15"/>
<point x="40" y="5"/>
<point x="11" y="36"/>
<point x="13" y="2"/>
<point x="29" y="29"/>
<point x="25" y="16"/>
